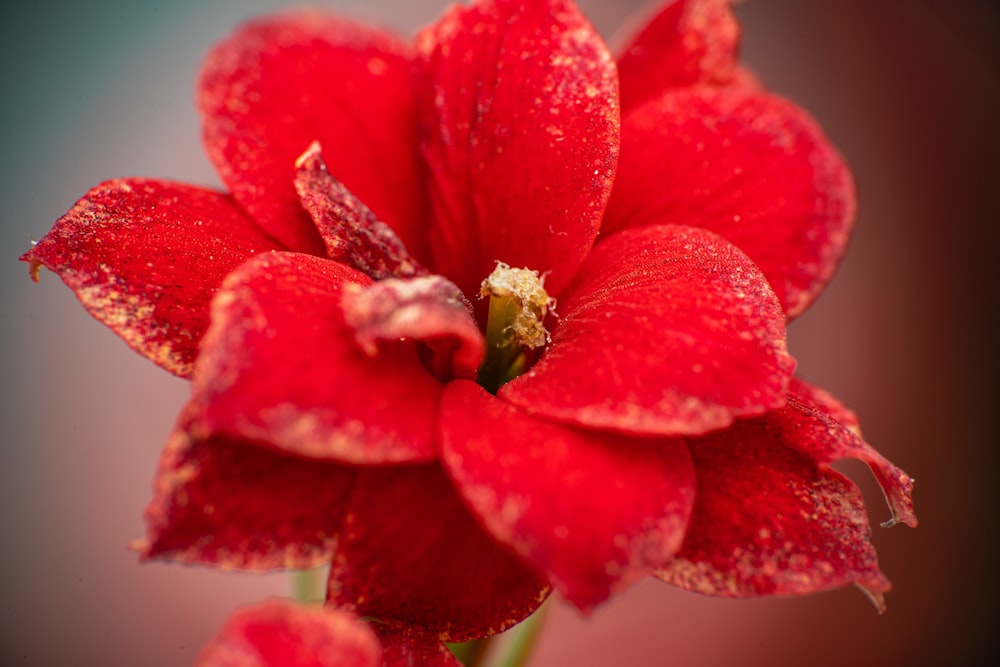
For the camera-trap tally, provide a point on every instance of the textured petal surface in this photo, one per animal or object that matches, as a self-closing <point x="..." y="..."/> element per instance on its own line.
<point x="430" y="309"/>
<point x="825" y="402"/>
<point x="685" y="43"/>
<point x="749" y="166"/>
<point x="521" y="136"/>
<point x="444" y="575"/>
<point x="278" y="632"/>
<point x="668" y="330"/>
<point x="352" y="233"/>
<point x="145" y="257"/>
<point x="280" y="365"/>
<point x="231" y="504"/>
<point x="771" y="518"/>
<point x="596" y="511"/>
<point x="280" y="83"/>
<point x="408" y="649"/>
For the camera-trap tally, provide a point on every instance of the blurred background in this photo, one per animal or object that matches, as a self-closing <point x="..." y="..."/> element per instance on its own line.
<point x="910" y="93"/>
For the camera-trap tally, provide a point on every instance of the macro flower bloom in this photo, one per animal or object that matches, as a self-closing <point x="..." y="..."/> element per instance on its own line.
<point x="620" y="402"/>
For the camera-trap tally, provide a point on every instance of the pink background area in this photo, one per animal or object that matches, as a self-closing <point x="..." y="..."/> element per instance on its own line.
<point x="910" y="93"/>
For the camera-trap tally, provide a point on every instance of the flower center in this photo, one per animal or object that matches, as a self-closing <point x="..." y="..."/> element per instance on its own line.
<point x="515" y="324"/>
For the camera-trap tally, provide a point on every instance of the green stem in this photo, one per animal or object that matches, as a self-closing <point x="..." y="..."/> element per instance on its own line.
<point x="471" y="653"/>
<point x="307" y="585"/>
<point x="516" y="644"/>
<point x="523" y="639"/>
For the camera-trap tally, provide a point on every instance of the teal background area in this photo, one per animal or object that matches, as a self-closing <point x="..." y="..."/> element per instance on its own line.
<point x="909" y="91"/>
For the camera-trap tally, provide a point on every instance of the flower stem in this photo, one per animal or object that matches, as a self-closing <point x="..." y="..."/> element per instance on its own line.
<point x="307" y="586"/>
<point x="471" y="653"/>
<point x="523" y="639"/>
<point x="512" y="650"/>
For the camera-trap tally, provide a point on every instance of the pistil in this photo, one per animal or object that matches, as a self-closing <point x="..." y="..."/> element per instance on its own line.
<point x="515" y="323"/>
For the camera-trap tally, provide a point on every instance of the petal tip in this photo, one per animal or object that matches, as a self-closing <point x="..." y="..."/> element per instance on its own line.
<point x="901" y="504"/>
<point x="875" y="591"/>
<point x="142" y="546"/>
<point x="308" y="154"/>
<point x="34" y="264"/>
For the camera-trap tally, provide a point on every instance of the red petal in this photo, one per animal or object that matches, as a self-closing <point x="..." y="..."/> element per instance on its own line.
<point x="282" y="82"/>
<point x="228" y="503"/>
<point x="408" y="649"/>
<point x="597" y="511"/>
<point x="280" y="365"/>
<point x="351" y="232"/>
<point x="412" y="555"/>
<point x="521" y="135"/>
<point x="667" y="331"/>
<point x="771" y="518"/>
<point x="430" y="309"/>
<point x="821" y="437"/>
<point x="686" y="43"/>
<point x="145" y="257"/>
<point x="277" y="632"/>
<point x="751" y="167"/>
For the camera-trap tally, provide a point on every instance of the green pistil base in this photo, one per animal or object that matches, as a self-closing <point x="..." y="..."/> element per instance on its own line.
<point x="503" y="352"/>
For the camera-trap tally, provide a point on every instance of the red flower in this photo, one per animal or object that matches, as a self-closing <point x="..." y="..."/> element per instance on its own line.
<point x="335" y="412"/>
<point x="281" y="633"/>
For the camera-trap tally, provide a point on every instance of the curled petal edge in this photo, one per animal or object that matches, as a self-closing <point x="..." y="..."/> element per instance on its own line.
<point x="351" y="231"/>
<point x="430" y="309"/>
<point x="896" y="485"/>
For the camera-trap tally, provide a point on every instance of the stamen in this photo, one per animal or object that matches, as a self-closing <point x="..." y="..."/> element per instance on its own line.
<point x="515" y="324"/>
